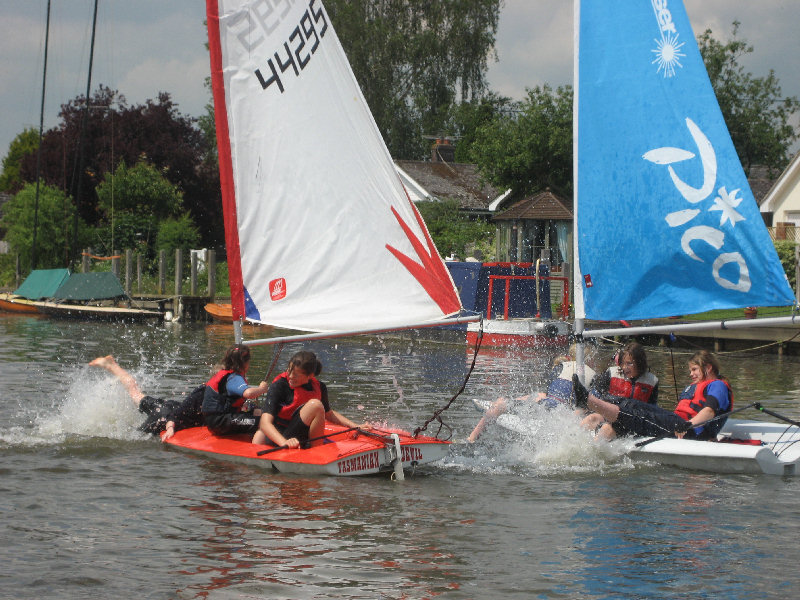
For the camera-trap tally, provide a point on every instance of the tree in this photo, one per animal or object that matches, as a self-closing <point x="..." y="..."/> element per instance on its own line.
<point x="177" y="232"/>
<point x="467" y="117"/>
<point x="452" y="231"/>
<point x="757" y="116"/>
<point x="54" y="223"/>
<point x="133" y="202"/>
<point x="414" y="60"/>
<point x="141" y="188"/>
<point x="25" y="144"/>
<point x="171" y="142"/>
<point x="529" y="147"/>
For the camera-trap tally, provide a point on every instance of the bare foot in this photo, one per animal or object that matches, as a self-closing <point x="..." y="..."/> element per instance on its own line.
<point x="103" y="361"/>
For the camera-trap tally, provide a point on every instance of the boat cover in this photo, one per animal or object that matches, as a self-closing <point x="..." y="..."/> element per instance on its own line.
<point x="42" y="283"/>
<point x="90" y="286"/>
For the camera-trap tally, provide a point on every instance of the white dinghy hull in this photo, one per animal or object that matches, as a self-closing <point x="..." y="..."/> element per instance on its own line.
<point x="779" y="453"/>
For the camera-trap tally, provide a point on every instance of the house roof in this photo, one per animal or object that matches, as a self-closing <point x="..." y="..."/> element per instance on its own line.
<point x="439" y="180"/>
<point x="543" y="206"/>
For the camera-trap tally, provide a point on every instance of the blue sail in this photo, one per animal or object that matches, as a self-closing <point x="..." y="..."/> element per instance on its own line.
<point x="665" y="219"/>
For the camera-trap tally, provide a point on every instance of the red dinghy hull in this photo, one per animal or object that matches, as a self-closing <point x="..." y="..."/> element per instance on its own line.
<point x="345" y="455"/>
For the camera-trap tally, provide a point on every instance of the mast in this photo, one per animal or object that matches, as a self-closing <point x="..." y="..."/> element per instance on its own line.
<point x="41" y="129"/>
<point x="78" y="185"/>
<point x="577" y="286"/>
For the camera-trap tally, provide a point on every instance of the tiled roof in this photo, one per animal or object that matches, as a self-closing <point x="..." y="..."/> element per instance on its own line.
<point x="452" y="180"/>
<point x="544" y="205"/>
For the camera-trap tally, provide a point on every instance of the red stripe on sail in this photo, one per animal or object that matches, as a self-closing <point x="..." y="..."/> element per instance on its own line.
<point x="432" y="274"/>
<point x="225" y="163"/>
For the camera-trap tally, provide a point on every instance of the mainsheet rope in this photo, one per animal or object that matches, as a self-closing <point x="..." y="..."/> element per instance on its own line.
<point x="437" y="413"/>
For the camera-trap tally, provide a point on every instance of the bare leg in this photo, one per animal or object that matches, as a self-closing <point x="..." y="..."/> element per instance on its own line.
<point x="606" y="432"/>
<point x="313" y="414"/>
<point x="608" y="411"/>
<point x="498" y="407"/>
<point x="592" y="421"/>
<point x="126" y="379"/>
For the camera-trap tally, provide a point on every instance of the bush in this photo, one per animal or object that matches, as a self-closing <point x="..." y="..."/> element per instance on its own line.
<point x="786" y="254"/>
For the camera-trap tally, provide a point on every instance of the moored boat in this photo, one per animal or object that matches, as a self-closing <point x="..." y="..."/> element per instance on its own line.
<point x="17" y="304"/>
<point x="220" y="312"/>
<point x="345" y="453"/>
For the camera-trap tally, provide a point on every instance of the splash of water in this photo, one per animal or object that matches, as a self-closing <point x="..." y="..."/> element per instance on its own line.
<point x="531" y="440"/>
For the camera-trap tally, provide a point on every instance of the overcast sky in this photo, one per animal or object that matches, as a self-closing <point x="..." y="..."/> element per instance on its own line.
<point x="147" y="46"/>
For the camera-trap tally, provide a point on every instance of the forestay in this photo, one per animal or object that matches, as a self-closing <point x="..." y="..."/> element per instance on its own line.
<point x="666" y="221"/>
<point x="321" y="234"/>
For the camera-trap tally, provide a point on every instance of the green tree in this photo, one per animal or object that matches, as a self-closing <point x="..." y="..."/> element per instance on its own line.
<point x="177" y="232"/>
<point x="467" y="117"/>
<point x="452" y="231"/>
<point x="53" y="230"/>
<point x="141" y="188"/>
<point x="415" y="60"/>
<point x="26" y="143"/>
<point x="134" y="202"/>
<point x="529" y="147"/>
<point x="757" y="115"/>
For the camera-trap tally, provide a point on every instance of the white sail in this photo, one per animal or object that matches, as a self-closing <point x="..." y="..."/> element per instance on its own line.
<point x="321" y="234"/>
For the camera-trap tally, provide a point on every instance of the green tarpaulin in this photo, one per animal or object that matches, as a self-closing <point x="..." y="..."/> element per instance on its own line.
<point x="42" y="283"/>
<point x="90" y="286"/>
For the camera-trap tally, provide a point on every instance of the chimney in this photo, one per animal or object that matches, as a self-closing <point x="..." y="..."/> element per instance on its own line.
<point x="443" y="151"/>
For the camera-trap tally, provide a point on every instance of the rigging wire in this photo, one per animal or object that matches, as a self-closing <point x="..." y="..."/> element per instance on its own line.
<point x="437" y="413"/>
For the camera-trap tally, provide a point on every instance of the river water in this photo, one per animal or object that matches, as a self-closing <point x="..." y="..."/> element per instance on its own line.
<point x="93" y="509"/>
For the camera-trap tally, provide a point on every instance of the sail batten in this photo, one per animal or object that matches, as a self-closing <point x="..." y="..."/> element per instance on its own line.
<point x="324" y="231"/>
<point x="666" y="223"/>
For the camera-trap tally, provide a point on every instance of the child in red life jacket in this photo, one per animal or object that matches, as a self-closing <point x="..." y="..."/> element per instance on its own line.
<point x="297" y="406"/>
<point x="225" y="394"/>
<point x="628" y="377"/>
<point x="707" y="397"/>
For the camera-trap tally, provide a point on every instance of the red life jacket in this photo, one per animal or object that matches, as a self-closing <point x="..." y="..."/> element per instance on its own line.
<point x="216" y="400"/>
<point x="301" y="396"/>
<point x="640" y="389"/>
<point x="692" y="401"/>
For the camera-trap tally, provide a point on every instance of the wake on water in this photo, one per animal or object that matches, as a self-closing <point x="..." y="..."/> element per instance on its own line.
<point x="536" y="441"/>
<point x="94" y="405"/>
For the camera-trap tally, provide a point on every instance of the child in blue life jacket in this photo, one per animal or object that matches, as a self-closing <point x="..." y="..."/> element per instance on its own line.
<point x="225" y="408"/>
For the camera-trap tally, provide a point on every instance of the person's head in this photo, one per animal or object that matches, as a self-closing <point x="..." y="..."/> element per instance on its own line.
<point x="633" y="360"/>
<point x="703" y="365"/>
<point x="302" y="366"/>
<point x="237" y="359"/>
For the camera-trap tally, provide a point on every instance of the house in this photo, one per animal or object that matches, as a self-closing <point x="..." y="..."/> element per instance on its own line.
<point x="535" y="227"/>
<point x="781" y="206"/>
<point x="442" y="178"/>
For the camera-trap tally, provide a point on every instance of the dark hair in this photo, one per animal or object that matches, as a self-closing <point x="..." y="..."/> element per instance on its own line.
<point x="306" y="361"/>
<point x="636" y="352"/>
<point x="236" y="358"/>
